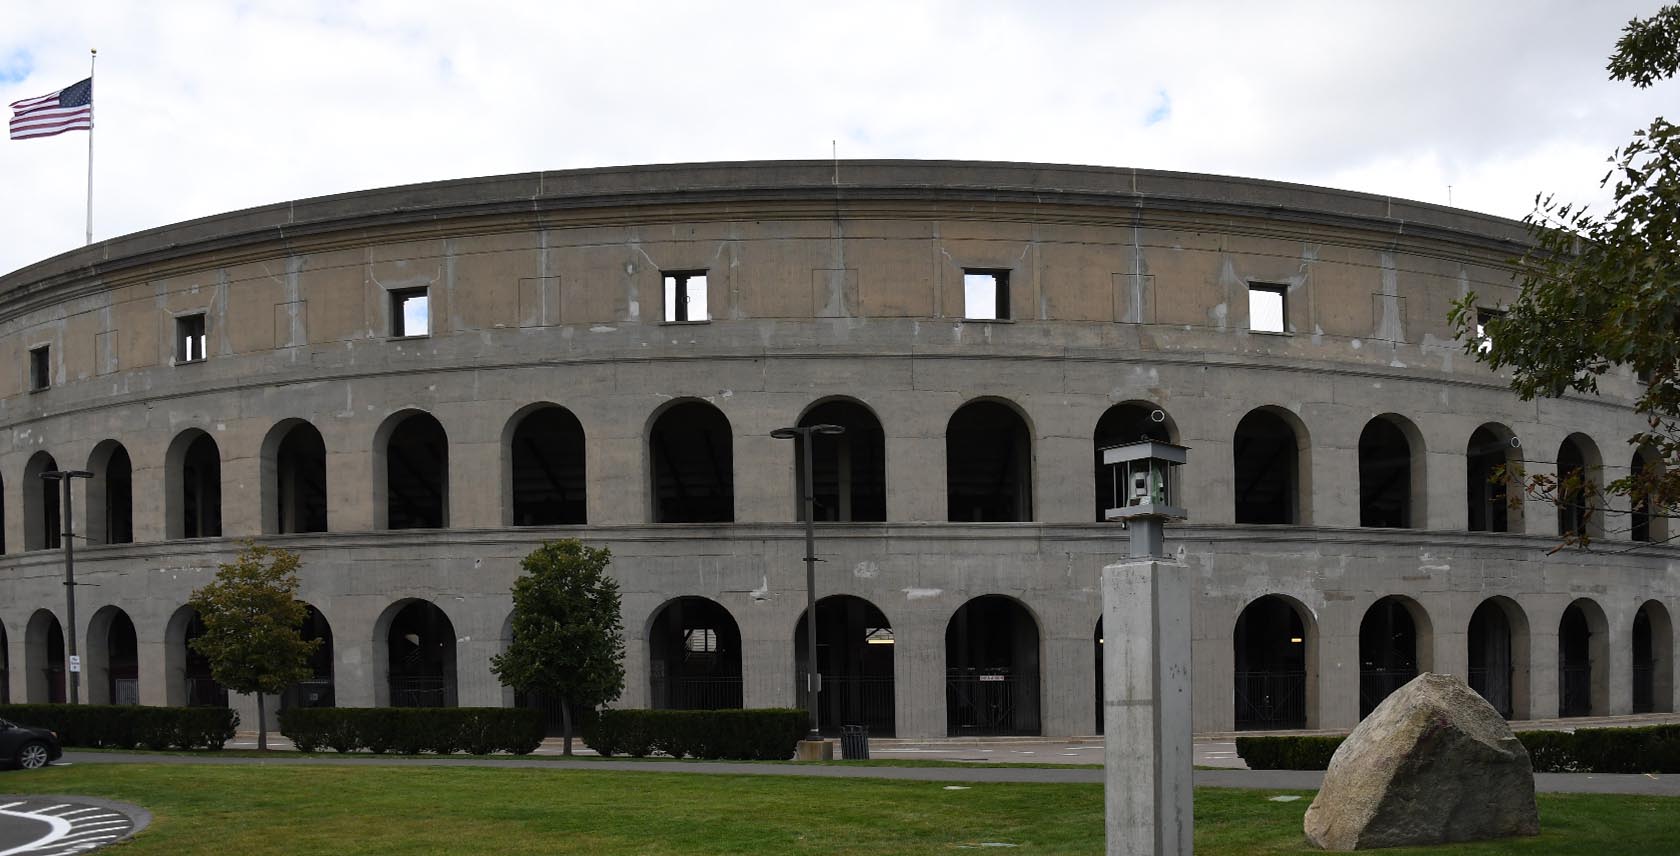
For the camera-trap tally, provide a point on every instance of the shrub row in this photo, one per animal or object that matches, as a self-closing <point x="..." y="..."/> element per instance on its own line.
<point x="1646" y="749"/>
<point x="113" y="726"/>
<point x="412" y="730"/>
<point x="767" y="734"/>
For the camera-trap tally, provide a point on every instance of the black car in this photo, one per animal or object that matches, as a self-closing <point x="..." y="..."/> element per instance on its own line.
<point x="28" y="748"/>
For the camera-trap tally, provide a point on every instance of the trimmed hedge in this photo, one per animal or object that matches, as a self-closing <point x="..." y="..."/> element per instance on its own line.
<point x="765" y="734"/>
<point x="114" y="726"/>
<point x="412" y="730"/>
<point x="1644" y="749"/>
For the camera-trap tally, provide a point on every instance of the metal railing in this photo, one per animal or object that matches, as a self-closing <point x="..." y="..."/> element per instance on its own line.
<point x="990" y="706"/>
<point x="1378" y="684"/>
<point x="1575" y="691"/>
<point x="852" y="700"/>
<point x="125" y="690"/>
<point x="205" y="692"/>
<point x="697" y="693"/>
<point x="420" y="691"/>
<point x="1500" y="698"/>
<point x="1644" y="688"/>
<point x="315" y="692"/>
<point x="1271" y="700"/>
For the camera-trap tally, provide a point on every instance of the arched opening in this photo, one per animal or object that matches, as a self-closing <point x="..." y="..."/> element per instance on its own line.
<point x="1653" y="659"/>
<point x="992" y="669"/>
<point x="1394" y="645"/>
<point x="855" y="658"/>
<point x="694" y="656"/>
<point x="199" y="683"/>
<point x="1273" y="664"/>
<point x="1646" y="523"/>
<point x="419" y="642"/>
<point x="294" y="479"/>
<point x="1583" y="682"/>
<point x="113" y="658"/>
<point x="43" y="659"/>
<point x="193" y="477"/>
<point x="1492" y="455"/>
<point x="1577" y="467"/>
<point x="413" y="452"/>
<point x="849" y="481"/>
<point x="545" y="475"/>
<point x="693" y="454"/>
<point x="110" y="512"/>
<point x="988" y="464"/>
<point x="41" y="523"/>
<point x="317" y="689"/>
<point x="1390" y="473"/>
<point x="1269" y="480"/>
<point x="1124" y="423"/>
<point x="1497" y="645"/>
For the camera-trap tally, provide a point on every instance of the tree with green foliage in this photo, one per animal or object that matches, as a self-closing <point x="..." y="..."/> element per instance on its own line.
<point x="1602" y="290"/>
<point x="568" y="637"/>
<point x="253" y="625"/>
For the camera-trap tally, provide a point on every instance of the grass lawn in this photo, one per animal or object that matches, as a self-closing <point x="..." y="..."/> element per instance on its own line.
<point x="254" y="811"/>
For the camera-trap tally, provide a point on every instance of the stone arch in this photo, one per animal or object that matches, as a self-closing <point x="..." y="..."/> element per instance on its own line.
<point x="187" y="672"/>
<point x="1392" y="486"/>
<point x="110" y="495"/>
<point x="319" y="689"/>
<point x="544" y="476"/>
<point x="42" y="526"/>
<point x="855" y="651"/>
<point x="294" y="478"/>
<point x="193" y="486"/>
<point x="992" y="668"/>
<point x="43" y="659"/>
<point x="1396" y="644"/>
<point x="988" y="463"/>
<point x="414" y="654"/>
<point x="850" y="469"/>
<point x="411" y="472"/>
<point x="1646" y="523"/>
<point x="1583" y="660"/>
<point x="1576" y="511"/>
<point x="691" y="452"/>
<point x="1272" y="478"/>
<point x="1126" y="422"/>
<point x="1653" y="659"/>
<point x="694" y="655"/>
<point x="1490" y="505"/>
<point x="1274" y="644"/>
<point x="1497" y="645"/>
<point x="111" y="663"/>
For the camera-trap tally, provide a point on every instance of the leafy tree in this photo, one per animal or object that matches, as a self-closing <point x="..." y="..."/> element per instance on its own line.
<point x="568" y="638"/>
<point x="253" y="626"/>
<point x="1601" y="290"/>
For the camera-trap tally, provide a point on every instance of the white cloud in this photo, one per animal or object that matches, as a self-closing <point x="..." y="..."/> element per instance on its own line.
<point x="205" y="107"/>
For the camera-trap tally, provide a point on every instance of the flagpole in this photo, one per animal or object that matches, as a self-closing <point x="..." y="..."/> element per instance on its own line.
<point x="93" y="58"/>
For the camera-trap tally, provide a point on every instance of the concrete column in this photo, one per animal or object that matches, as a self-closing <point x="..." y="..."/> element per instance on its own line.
<point x="1334" y="484"/>
<point x="1063" y="491"/>
<point x="618" y="479"/>
<point x="1214" y="663"/>
<point x="1146" y="707"/>
<point x="767" y="673"/>
<point x="916" y="479"/>
<point x="475" y="684"/>
<point x="635" y="693"/>
<point x="1445" y="489"/>
<point x="1543" y="681"/>
<point x="919" y="675"/>
<point x="764" y="476"/>
<point x="1067" y="698"/>
<point x="241" y="498"/>
<point x="1618" y="661"/>
<point x="353" y="670"/>
<point x="1338" y="680"/>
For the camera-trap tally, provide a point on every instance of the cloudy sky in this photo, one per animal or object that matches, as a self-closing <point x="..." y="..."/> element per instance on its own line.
<point x="205" y="107"/>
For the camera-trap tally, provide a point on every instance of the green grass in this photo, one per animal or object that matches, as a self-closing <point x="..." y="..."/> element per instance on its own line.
<point x="260" y="810"/>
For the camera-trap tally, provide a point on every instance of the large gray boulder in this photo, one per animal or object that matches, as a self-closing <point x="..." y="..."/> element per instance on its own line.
<point x="1434" y="763"/>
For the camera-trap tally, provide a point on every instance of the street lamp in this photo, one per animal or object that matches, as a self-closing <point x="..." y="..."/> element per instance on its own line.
<point x="69" y="539"/>
<point x="803" y="434"/>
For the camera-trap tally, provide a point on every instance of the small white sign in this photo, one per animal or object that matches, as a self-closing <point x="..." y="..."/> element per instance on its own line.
<point x="75" y="666"/>
<point x="991" y="678"/>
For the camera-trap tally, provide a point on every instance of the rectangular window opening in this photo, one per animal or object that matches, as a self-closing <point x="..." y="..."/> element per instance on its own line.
<point x="1266" y="307"/>
<point x="189" y="338"/>
<point x="685" y="296"/>
<point x="986" y="295"/>
<point x="410" y="313"/>
<point x="40" y="368"/>
<point x="1484" y="342"/>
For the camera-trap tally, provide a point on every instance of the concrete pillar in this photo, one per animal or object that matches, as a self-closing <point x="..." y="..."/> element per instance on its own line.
<point x="353" y="670"/>
<point x="475" y="684"/>
<point x="1338" y="680"/>
<point x="916" y="479"/>
<point x="1067" y="683"/>
<point x="1063" y="491"/>
<point x="1618" y="661"/>
<point x="919" y="675"/>
<point x="1543" y="683"/>
<point x="1147" y="707"/>
<point x="1213" y="660"/>
<point x="1445" y="490"/>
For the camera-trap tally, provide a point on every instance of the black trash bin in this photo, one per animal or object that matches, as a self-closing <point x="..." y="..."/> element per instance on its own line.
<point x="854" y="742"/>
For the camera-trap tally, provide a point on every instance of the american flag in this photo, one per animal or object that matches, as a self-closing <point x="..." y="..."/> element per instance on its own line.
<point x="68" y="109"/>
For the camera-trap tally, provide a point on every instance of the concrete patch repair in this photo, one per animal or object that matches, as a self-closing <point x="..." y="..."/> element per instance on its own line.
<point x="64" y="826"/>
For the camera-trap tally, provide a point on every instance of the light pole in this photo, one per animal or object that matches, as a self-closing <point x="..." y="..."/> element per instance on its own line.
<point x="69" y="539"/>
<point x="804" y="433"/>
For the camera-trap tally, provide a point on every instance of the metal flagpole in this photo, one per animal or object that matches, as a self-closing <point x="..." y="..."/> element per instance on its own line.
<point x="93" y="58"/>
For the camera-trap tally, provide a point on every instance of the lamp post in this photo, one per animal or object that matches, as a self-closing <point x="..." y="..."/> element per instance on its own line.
<point x="804" y="433"/>
<point x="69" y="539"/>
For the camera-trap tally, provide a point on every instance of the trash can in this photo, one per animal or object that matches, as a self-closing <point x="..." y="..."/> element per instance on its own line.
<point x="854" y="742"/>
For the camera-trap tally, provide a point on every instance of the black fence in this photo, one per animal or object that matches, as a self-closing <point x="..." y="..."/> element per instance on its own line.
<point x="1378" y="684"/>
<point x="315" y="692"/>
<point x="420" y="691"/>
<point x="1271" y="700"/>
<point x="697" y="693"/>
<point x="1644" y="688"/>
<point x="990" y="706"/>
<point x="1575" y="691"/>
<point x="1497" y="696"/>
<point x="852" y="700"/>
<point x="205" y="692"/>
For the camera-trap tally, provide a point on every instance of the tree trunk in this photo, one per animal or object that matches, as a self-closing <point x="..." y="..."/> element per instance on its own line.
<point x="566" y="725"/>
<point x="262" y="725"/>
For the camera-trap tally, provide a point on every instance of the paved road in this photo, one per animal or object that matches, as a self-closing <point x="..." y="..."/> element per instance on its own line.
<point x="1651" y="785"/>
<point x="64" y="826"/>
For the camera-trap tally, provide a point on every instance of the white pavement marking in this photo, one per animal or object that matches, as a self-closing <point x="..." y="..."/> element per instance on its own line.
<point x="73" y="829"/>
<point x="57" y="829"/>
